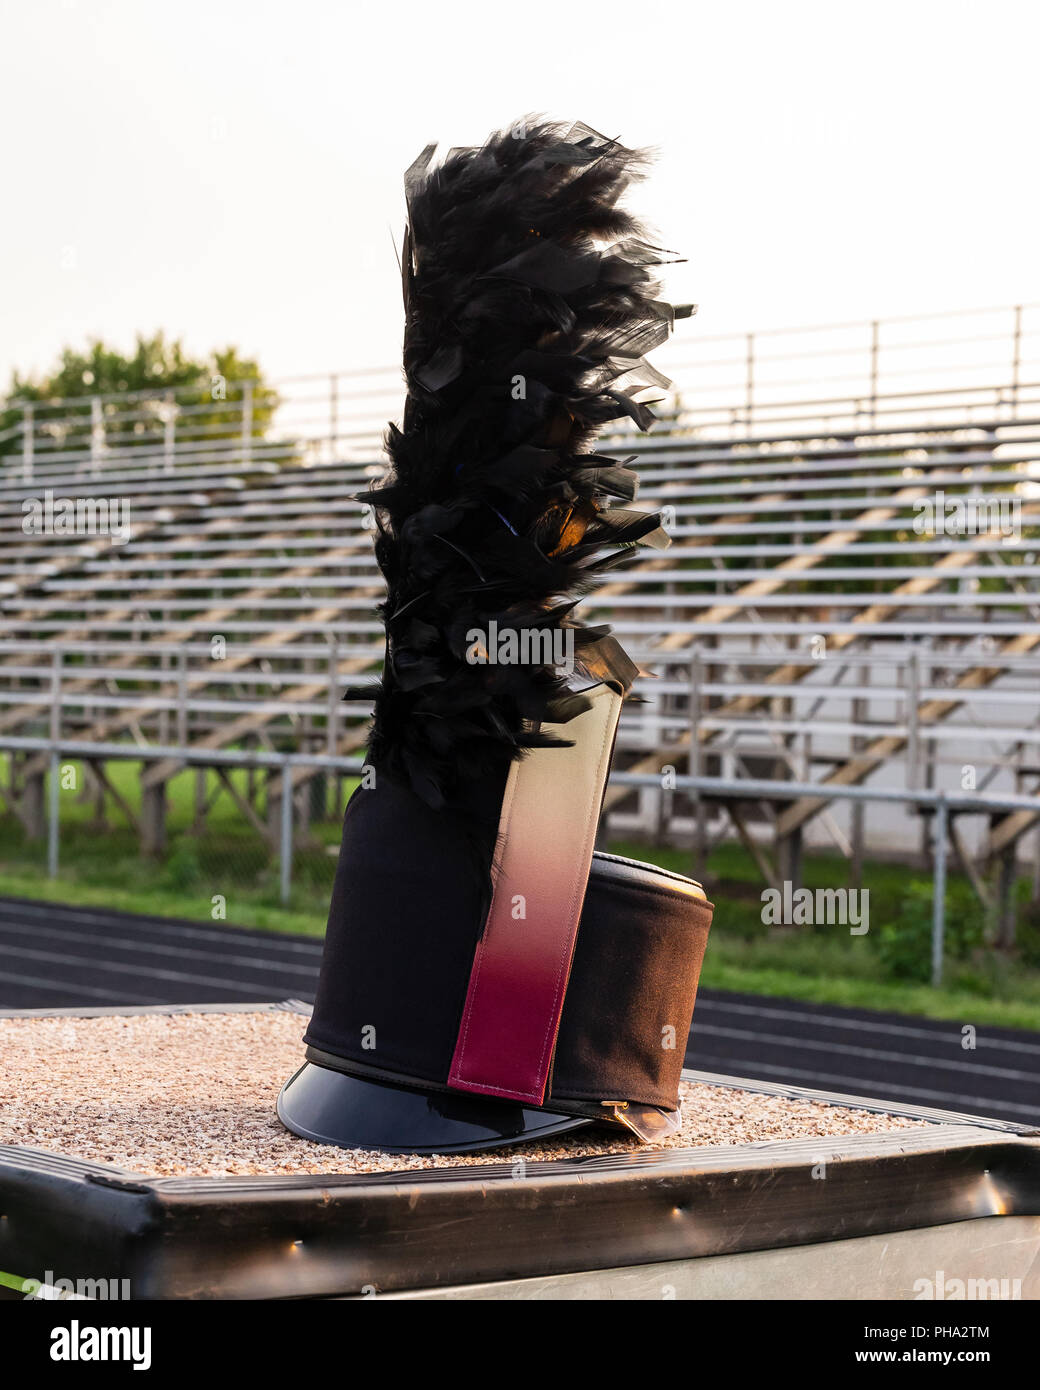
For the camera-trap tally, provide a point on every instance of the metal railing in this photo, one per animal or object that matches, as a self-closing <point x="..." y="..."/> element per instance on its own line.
<point x="828" y="377"/>
<point x="785" y="388"/>
<point x="940" y="802"/>
<point x="865" y="373"/>
<point x="185" y="683"/>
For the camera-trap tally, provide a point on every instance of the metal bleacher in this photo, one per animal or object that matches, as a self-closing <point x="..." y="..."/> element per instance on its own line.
<point x="802" y="627"/>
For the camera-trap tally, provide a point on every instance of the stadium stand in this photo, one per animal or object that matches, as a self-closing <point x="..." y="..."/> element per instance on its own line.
<point x="851" y="599"/>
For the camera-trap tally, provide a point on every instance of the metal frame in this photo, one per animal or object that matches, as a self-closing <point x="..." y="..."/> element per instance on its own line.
<point x="739" y="789"/>
<point x="739" y="382"/>
<point x="227" y="476"/>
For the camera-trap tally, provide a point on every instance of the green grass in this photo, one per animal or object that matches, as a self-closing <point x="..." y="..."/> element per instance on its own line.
<point x="1002" y="996"/>
<point x="828" y="965"/>
<point x="102" y="867"/>
<point x="244" y="909"/>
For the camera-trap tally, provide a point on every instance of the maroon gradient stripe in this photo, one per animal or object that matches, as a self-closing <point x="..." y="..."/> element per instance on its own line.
<point x="522" y="963"/>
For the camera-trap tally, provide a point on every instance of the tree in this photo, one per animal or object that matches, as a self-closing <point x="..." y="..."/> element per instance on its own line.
<point x="210" y="399"/>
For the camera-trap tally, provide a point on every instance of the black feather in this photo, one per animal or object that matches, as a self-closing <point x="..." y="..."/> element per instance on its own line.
<point x="529" y="301"/>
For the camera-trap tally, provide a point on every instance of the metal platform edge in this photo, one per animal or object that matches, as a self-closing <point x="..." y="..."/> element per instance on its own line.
<point x="337" y="1235"/>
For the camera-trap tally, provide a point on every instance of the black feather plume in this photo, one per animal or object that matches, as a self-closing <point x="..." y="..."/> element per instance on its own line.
<point x="530" y="301"/>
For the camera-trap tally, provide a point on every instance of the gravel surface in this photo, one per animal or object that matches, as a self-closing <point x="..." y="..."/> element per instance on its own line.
<point x="195" y="1093"/>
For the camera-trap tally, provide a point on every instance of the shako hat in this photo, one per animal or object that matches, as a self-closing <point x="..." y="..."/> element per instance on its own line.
<point x="487" y="976"/>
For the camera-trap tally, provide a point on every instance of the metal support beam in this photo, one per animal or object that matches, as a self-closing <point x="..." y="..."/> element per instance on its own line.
<point x="54" y="814"/>
<point x="912" y="701"/>
<point x="153" y="818"/>
<point x="700" y="837"/>
<point x="332" y="710"/>
<point x="1005" y="896"/>
<point x="31" y="811"/>
<point x="182" y="697"/>
<point x="285" y="839"/>
<point x="939" y="893"/>
<point x="789" y="857"/>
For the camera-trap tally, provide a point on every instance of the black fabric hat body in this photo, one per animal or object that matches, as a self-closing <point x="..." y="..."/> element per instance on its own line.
<point x="487" y="977"/>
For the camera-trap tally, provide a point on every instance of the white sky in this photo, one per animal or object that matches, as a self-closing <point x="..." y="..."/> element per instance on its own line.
<point x="231" y="171"/>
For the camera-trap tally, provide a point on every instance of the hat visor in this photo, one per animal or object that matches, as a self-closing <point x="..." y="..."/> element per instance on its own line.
<point x="332" y="1107"/>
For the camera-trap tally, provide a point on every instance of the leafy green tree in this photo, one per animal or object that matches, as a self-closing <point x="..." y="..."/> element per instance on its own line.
<point x="210" y="399"/>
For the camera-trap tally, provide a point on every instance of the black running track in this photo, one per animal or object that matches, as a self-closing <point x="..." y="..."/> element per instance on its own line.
<point x="53" y="956"/>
